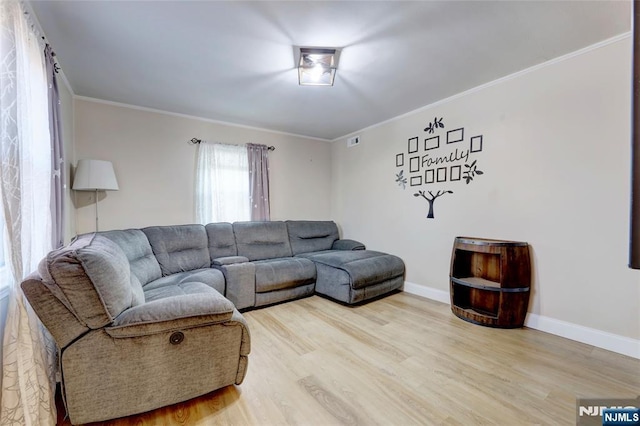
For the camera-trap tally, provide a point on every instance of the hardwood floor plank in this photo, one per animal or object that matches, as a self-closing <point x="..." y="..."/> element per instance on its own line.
<point x="401" y="360"/>
<point x="335" y="406"/>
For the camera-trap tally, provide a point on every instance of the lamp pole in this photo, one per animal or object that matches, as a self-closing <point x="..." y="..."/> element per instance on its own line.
<point x="96" y="201"/>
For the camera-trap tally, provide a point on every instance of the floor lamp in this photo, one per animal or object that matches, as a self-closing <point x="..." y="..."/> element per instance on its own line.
<point x="95" y="175"/>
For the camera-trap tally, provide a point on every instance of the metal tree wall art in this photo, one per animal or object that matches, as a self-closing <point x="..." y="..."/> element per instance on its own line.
<point x="440" y="158"/>
<point x="431" y="198"/>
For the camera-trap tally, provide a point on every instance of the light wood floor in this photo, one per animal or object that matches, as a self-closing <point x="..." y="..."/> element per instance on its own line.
<point x="401" y="360"/>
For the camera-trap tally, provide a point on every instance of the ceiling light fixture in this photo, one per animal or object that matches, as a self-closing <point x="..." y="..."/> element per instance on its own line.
<point x="317" y="66"/>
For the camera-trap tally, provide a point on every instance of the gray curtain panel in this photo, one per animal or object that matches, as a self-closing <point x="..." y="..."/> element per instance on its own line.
<point x="258" y="156"/>
<point x="57" y="154"/>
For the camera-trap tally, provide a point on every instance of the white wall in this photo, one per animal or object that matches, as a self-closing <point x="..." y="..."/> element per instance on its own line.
<point x="155" y="166"/>
<point x="556" y="160"/>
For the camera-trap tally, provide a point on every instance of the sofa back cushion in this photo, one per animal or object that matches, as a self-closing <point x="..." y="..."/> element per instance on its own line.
<point x="179" y="248"/>
<point x="262" y="240"/>
<point x="144" y="265"/>
<point x="91" y="277"/>
<point x="311" y="235"/>
<point x="222" y="242"/>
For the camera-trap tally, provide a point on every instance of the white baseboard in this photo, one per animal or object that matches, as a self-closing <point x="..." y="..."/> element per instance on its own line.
<point x="591" y="336"/>
<point x="428" y="292"/>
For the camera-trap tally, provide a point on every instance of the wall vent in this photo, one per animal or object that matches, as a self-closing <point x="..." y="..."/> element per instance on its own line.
<point x="353" y="141"/>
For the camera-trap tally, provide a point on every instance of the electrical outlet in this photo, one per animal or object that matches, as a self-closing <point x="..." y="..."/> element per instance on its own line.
<point x="353" y="141"/>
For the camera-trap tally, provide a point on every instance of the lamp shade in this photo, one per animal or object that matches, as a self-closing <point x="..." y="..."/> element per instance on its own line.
<point x="94" y="175"/>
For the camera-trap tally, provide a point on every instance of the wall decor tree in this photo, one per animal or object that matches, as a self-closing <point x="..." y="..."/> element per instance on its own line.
<point x="431" y="198"/>
<point x="439" y="159"/>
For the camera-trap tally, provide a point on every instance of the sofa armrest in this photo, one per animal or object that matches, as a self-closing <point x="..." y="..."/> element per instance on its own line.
<point x="347" y="244"/>
<point x="229" y="260"/>
<point x="240" y="282"/>
<point x="245" y="343"/>
<point x="172" y="313"/>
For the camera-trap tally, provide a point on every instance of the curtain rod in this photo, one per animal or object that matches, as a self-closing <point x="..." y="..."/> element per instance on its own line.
<point x="196" y="141"/>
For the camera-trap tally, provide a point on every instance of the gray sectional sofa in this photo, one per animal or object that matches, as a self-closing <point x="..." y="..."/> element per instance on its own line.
<point x="144" y="318"/>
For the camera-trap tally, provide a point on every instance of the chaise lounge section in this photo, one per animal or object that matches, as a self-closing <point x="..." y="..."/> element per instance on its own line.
<point x="345" y="271"/>
<point x="144" y="318"/>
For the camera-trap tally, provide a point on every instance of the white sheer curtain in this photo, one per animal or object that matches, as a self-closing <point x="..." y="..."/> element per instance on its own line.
<point x="28" y="379"/>
<point x="222" y="183"/>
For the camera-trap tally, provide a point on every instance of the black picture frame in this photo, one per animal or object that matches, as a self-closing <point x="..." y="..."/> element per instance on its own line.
<point x="476" y="144"/>
<point x="415" y="181"/>
<point x="455" y="173"/>
<point x="455" y="135"/>
<point x="429" y="176"/>
<point x="414" y="164"/>
<point x="412" y="145"/>
<point x="399" y="160"/>
<point x="441" y="174"/>
<point x="432" y="143"/>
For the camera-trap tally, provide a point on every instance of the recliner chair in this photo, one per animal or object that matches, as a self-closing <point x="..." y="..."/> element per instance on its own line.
<point x="122" y="351"/>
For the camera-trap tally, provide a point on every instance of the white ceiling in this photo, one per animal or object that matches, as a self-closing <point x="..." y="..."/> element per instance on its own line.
<point x="234" y="61"/>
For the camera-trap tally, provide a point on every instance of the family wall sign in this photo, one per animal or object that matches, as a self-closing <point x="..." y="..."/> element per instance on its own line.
<point x="437" y="160"/>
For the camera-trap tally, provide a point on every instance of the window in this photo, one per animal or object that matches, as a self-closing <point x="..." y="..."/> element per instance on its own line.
<point x="222" y="183"/>
<point x="1" y="246"/>
<point x="1" y="242"/>
<point x="4" y="270"/>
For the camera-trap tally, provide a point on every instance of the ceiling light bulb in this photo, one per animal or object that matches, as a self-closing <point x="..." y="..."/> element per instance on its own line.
<point x="316" y="72"/>
<point x="317" y="66"/>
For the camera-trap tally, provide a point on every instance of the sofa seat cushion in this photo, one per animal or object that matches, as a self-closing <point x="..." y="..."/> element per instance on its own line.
<point x="190" y="305"/>
<point x="180" y="289"/>
<point x="210" y="277"/>
<point x="278" y="274"/>
<point x="363" y="267"/>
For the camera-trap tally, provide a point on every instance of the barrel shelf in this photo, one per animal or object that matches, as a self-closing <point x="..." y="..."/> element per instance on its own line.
<point x="477" y="282"/>
<point x="490" y="281"/>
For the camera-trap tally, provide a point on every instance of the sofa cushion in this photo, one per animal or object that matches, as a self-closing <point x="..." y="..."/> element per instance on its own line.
<point x="311" y="235"/>
<point x="222" y="242"/>
<point x="91" y="276"/>
<point x="210" y="277"/>
<point x="262" y="240"/>
<point x="229" y="260"/>
<point x="178" y="289"/>
<point x="201" y="306"/>
<point x="143" y="264"/>
<point x="179" y="248"/>
<point x="360" y="268"/>
<point x="347" y="244"/>
<point x="278" y="274"/>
